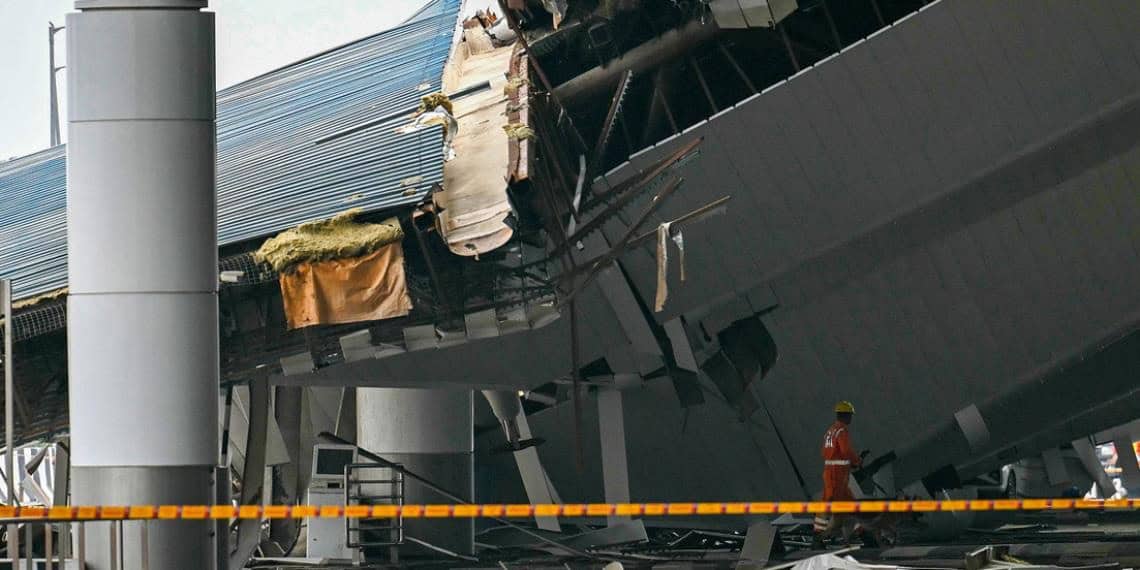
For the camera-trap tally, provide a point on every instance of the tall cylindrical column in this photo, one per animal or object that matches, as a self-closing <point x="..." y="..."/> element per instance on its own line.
<point x="142" y="239"/>
<point x="430" y="433"/>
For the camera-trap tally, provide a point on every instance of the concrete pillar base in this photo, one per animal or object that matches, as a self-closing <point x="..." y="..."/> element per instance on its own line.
<point x="170" y="545"/>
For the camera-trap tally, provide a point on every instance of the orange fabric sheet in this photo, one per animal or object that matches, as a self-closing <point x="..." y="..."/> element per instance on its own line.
<point x="366" y="288"/>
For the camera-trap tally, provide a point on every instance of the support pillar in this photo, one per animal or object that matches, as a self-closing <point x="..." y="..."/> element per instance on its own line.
<point x="142" y="308"/>
<point x="430" y="432"/>
<point x="539" y="488"/>
<point x="615" y="462"/>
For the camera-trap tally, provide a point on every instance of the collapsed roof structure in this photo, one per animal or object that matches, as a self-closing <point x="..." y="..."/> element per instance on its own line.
<point x="892" y="202"/>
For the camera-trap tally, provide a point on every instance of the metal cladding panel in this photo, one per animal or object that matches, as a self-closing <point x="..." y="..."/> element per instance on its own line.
<point x="1008" y="102"/>
<point x="1084" y="57"/>
<point x="33" y="221"/>
<point x="914" y="316"/>
<point x="272" y="173"/>
<point x="806" y="186"/>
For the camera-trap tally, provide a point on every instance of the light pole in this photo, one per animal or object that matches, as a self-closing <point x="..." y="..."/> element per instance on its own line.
<point x="52" y="29"/>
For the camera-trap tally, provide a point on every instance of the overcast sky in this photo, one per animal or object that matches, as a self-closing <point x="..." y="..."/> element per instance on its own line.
<point x="254" y="36"/>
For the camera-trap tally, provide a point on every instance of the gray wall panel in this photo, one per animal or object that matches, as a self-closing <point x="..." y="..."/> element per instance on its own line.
<point x="766" y="198"/>
<point x="956" y="348"/>
<point x="1037" y="321"/>
<point x="803" y="120"/>
<point x="1113" y="39"/>
<point x="938" y="362"/>
<point x="921" y="144"/>
<point x="846" y="172"/>
<point x="710" y="181"/>
<point x="1094" y="212"/>
<point x="1036" y="69"/>
<point x="972" y="121"/>
<point x="1004" y="94"/>
<point x="859" y="145"/>
<point x="1127" y="202"/>
<point x="867" y="72"/>
<point x="1082" y="56"/>
<point x="770" y="125"/>
<point x="949" y="143"/>
<point x="1037" y="240"/>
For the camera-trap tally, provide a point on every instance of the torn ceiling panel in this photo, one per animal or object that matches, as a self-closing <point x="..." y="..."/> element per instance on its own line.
<point x="473" y="207"/>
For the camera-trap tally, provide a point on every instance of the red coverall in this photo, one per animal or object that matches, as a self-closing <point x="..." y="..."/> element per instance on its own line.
<point x="838" y="459"/>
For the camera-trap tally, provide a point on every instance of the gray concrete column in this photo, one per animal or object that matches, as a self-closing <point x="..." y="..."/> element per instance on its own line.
<point x="142" y="240"/>
<point x="431" y="433"/>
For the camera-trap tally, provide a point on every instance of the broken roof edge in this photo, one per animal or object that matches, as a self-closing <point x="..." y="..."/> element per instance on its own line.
<point x="25" y="160"/>
<point x="473" y="209"/>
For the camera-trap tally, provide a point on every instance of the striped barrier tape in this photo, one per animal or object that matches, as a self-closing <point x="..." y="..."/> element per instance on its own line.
<point x="443" y="511"/>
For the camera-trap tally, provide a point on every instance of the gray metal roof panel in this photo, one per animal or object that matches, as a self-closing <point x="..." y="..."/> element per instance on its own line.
<point x="272" y="174"/>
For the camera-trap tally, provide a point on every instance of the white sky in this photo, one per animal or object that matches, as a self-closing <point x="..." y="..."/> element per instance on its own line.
<point x="254" y="36"/>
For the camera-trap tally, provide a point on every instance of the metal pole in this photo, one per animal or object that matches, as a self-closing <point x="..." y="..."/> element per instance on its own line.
<point x="831" y="25"/>
<point x="9" y="388"/>
<point x="81" y="546"/>
<point x="30" y="564"/>
<point x="48" y="547"/>
<point x="51" y="78"/>
<point x="144" y="539"/>
<point x="64" y="542"/>
<point x="788" y="46"/>
<point x="9" y="427"/>
<point x="114" y="545"/>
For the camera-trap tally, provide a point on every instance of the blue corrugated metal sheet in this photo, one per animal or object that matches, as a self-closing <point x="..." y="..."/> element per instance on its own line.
<point x="271" y="172"/>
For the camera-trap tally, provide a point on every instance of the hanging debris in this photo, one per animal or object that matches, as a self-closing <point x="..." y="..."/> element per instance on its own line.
<point x="339" y="271"/>
<point x="664" y="233"/>
<point x="441" y="113"/>
<point x="336" y="238"/>
<point x="430" y="102"/>
<point x="514" y="84"/>
<point x="557" y="8"/>
<point x="517" y="131"/>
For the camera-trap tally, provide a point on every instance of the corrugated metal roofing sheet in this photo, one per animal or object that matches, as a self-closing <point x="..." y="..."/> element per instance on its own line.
<point x="272" y="174"/>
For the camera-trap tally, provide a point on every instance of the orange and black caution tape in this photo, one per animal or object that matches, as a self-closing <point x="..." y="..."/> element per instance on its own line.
<point x="443" y="511"/>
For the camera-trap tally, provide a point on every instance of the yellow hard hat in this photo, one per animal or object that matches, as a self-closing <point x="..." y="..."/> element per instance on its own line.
<point x="844" y="407"/>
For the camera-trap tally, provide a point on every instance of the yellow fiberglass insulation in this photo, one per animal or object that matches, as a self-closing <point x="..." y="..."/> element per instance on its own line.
<point x="337" y="238"/>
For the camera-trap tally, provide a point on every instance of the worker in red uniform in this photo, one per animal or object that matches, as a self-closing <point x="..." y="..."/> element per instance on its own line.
<point x="839" y="458"/>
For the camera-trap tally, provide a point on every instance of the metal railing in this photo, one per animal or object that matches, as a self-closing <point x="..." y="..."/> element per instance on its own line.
<point x="385" y="487"/>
